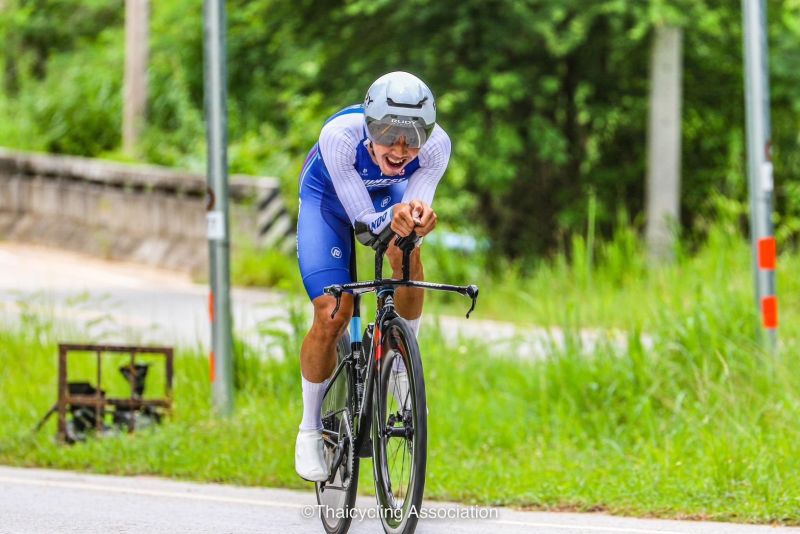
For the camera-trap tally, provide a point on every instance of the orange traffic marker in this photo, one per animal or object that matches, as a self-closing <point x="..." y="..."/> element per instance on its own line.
<point x="767" y="252"/>
<point x="769" y="311"/>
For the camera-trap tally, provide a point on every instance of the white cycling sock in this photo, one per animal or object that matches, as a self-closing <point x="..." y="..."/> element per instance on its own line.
<point x="398" y="365"/>
<point x="312" y="404"/>
<point x="414" y="324"/>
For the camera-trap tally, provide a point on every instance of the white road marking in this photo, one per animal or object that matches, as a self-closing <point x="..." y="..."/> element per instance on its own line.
<point x="148" y="493"/>
<point x="585" y="527"/>
<point x="86" y="486"/>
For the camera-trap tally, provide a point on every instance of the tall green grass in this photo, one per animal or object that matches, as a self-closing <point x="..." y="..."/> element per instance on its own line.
<point x="591" y="283"/>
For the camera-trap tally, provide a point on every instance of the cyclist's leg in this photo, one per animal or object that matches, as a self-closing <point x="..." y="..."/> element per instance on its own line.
<point x="408" y="300"/>
<point x="323" y="251"/>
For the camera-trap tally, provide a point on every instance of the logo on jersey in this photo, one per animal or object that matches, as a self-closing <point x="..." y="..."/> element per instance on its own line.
<point x="374" y="225"/>
<point x="336" y="252"/>
<point x="382" y="182"/>
<point x="385" y="202"/>
<point x="364" y="172"/>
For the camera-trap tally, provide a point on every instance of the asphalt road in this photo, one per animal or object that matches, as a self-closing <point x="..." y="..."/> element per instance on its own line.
<point x="120" y="302"/>
<point x="36" y="501"/>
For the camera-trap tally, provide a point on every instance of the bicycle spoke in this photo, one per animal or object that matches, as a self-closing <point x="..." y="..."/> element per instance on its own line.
<point x="394" y="461"/>
<point x="398" y="446"/>
<point x="395" y="483"/>
<point x="403" y="470"/>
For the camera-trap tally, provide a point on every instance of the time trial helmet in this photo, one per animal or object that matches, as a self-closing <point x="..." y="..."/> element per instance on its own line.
<point x="399" y="104"/>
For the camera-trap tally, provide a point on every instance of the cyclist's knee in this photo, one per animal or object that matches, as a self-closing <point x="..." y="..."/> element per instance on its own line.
<point x="332" y="327"/>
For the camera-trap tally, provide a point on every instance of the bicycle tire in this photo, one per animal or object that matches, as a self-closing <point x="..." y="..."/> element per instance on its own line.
<point x="399" y="499"/>
<point x="337" y="497"/>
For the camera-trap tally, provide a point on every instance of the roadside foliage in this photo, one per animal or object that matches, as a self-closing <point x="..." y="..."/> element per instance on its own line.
<point x="545" y="100"/>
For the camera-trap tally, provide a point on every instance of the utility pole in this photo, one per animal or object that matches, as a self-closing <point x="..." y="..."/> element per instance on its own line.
<point x="221" y="357"/>
<point x="759" y="159"/>
<point x="135" y="80"/>
<point x="664" y="144"/>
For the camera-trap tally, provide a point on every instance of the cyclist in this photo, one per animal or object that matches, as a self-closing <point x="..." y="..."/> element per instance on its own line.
<point x="376" y="164"/>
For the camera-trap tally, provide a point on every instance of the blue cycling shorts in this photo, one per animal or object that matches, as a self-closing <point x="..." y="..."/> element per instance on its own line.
<point x="324" y="243"/>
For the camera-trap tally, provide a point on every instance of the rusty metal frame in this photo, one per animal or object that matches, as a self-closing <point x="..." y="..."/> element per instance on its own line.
<point x="98" y="401"/>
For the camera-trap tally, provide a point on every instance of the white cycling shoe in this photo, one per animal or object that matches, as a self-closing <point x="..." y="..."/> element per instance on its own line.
<point x="309" y="458"/>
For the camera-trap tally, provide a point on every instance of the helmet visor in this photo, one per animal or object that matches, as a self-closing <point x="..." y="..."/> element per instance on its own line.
<point x="390" y="129"/>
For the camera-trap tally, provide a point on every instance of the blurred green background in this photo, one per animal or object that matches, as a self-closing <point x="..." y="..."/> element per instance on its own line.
<point x="546" y="100"/>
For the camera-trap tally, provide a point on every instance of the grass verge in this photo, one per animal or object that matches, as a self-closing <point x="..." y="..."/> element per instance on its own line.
<point x="702" y="426"/>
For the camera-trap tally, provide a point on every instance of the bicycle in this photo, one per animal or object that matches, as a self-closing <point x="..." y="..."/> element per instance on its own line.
<point x="361" y="419"/>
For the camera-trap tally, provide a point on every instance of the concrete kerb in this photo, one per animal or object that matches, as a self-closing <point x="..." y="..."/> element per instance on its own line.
<point x="142" y="213"/>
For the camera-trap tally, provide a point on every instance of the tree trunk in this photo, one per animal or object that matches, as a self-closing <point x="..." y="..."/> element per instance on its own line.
<point x="664" y="144"/>
<point x="135" y="83"/>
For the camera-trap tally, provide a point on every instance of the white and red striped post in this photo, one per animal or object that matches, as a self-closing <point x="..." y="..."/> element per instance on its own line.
<point x="760" y="179"/>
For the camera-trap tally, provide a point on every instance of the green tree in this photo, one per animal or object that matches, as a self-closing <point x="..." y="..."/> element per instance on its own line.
<point x="545" y="100"/>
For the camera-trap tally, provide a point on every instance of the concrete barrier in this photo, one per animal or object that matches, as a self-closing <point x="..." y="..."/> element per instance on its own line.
<point x="140" y="213"/>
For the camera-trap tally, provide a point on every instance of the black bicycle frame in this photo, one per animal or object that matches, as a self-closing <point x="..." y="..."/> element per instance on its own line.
<point x="385" y="288"/>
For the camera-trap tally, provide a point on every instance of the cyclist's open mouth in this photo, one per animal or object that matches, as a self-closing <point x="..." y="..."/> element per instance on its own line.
<point x="396" y="164"/>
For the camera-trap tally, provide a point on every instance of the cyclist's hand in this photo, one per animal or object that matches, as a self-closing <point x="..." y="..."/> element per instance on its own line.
<point x="402" y="219"/>
<point x="424" y="217"/>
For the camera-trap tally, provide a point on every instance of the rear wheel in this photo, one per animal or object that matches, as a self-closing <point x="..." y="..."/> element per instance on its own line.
<point x="399" y="431"/>
<point x="337" y="495"/>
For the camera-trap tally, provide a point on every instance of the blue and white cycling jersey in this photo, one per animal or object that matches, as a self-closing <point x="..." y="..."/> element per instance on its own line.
<point x="340" y="184"/>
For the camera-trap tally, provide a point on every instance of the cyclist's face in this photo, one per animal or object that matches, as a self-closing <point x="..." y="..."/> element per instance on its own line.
<point x="393" y="159"/>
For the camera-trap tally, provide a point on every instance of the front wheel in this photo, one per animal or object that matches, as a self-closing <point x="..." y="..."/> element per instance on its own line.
<point x="399" y="430"/>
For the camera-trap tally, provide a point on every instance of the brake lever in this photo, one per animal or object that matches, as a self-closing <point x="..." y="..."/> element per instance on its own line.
<point x="472" y="292"/>
<point x="336" y="291"/>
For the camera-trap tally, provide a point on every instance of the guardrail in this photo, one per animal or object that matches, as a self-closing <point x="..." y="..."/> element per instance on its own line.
<point x="141" y="213"/>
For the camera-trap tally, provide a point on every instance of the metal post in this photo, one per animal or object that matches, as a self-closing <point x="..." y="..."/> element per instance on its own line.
<point x="759" y="153"/>
<point x="217" y="216"/>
